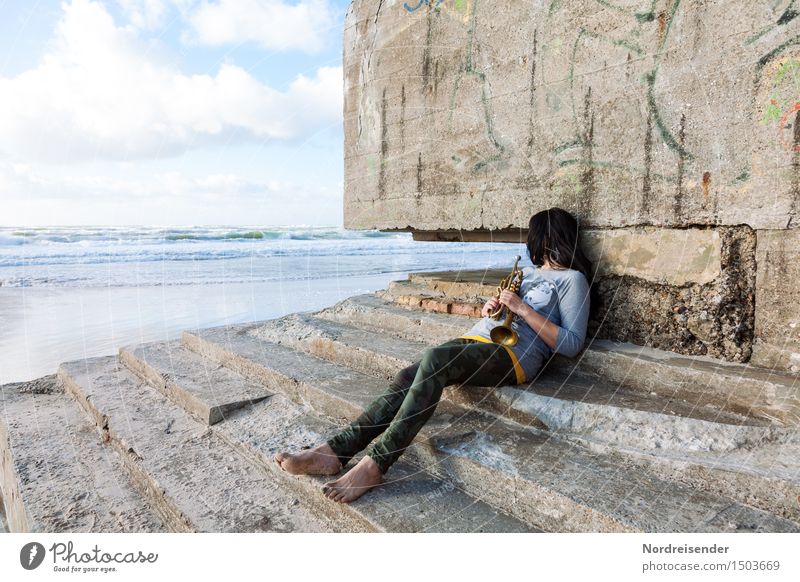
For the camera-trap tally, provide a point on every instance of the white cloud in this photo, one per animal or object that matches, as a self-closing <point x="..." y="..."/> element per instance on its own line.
<point x="145" y="13"/>
<point x="35" y="196"/>
<point x="273" y="24"/>
<point x="26" y="181"/>
<point x="98" y="95"/>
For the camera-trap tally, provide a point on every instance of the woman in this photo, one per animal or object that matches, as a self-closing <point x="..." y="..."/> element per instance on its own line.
<point x="551" y="316"/>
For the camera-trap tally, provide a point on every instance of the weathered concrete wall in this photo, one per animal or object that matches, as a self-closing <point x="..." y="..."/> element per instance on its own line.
<point x="778" y="299"/>
<point x="648" y="119"/>
<point x="708" y="311"/>
<point x="473" y="114"/>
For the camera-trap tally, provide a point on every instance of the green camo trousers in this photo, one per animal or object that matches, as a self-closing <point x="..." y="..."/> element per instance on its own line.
<point x="408" y="403"/>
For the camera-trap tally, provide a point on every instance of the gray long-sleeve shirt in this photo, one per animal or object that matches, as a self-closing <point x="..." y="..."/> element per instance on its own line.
<point x="562" y="296"/>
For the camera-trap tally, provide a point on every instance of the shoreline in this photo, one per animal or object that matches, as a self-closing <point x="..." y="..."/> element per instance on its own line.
<point x="46" y="326"/>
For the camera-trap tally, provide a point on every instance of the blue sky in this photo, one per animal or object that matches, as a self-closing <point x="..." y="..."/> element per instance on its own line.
<point x="171" y="112"/>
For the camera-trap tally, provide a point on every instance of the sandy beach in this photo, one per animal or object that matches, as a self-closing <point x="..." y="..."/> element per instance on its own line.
<point x="44" y="326"/>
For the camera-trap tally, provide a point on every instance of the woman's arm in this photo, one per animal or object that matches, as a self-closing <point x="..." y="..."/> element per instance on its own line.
<point x="573" y="304"/>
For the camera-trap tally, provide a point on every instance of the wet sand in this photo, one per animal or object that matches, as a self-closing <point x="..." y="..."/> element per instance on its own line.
<point x="41" y="327"/>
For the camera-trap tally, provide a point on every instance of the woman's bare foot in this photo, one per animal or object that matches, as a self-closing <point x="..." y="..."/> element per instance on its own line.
<point x="353" y="484"/>
<point x="321" y="460"/>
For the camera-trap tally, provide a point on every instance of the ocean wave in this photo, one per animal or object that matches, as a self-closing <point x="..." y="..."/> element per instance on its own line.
<point x="123" y="257"/>
<point x="131" y="255"/>
<point x="88" y="236"/>
<point x="11" y="240"/>
<point x="167" y="280"/>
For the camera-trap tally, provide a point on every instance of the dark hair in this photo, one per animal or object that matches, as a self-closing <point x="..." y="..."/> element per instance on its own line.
<point x="553" y="236"/>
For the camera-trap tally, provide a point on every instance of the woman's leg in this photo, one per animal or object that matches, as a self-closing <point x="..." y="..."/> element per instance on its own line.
<point x="476" y="363"/>
<point x="375" y="418"/>
<point x="482" y="364"/>
<point x="329" y="457"/>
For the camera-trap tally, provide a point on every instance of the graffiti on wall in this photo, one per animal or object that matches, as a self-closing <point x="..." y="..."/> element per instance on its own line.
<point x="783" y="107"/>
<point x="646" y="33"/>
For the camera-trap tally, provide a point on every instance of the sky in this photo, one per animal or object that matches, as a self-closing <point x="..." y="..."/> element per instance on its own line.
<point x="171" y="112"/>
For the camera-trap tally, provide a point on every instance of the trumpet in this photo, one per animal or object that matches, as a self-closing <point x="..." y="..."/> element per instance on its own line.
<point x="503" y="334"/>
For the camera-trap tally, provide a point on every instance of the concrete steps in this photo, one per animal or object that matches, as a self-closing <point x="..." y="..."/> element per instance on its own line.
<point x="741" y="388"/>
<point x="703" y="444"/>
<point x="188" y="474"/>
<point x="202" y="388"/>
<point x="570" y="403"/>
<point x="622" y="438"/>
<point x="412" y="500"/>
<point x="56" y="475"/>
<point x="684" y="387"/>
<point x="543" y="481"/>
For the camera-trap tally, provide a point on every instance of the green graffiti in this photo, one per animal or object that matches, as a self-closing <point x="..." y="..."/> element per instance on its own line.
<point x="743" y="177"/>
<point x="468" y="68"/>
<point x="787" y="76"/>
<point x="772" y="112"/>
<point x="633" y="170"/>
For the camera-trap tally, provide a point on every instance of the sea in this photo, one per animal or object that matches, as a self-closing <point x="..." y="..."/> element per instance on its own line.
<point x="68" y="293"/>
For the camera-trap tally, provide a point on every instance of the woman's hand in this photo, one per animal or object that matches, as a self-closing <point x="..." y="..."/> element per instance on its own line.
<point x="513" y="301"/>
<point x="490" y="306"/>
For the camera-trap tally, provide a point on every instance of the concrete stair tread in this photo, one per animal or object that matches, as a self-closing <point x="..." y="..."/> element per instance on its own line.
<point x="739" y="393"/>
<point x="204" y="389"/>
<point x="414" y="296"/>
<point x="369" y="303"/>
<point x="57" y="474"/>
<point x="465" y="284"/>
<point x="410" y="500"/>
<point x="585" y="393"/>
<point x="608" y="494"/>
<point x="740" y="388"/>
<point x="384" y="354"/>
<point x="733" y="371"/>
<point x="271" y="363"/>
<point x="592" y="389"/>
<point x="194" y="478"/>
<point x="519" y="458"/>
<point x="277" y="424"/>
<point x="743" y="389"/>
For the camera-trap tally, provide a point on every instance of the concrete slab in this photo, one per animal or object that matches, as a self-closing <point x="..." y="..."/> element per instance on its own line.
<point x="671" y="256"/>
<point x="564" y="487"/>
<point x="369" y="352"/>
<point x="382" y="314"/>
<point x="492" y="477"/>
<point x="777" y="342"/>
<point x="193" y="478"/>
<point x="705" y="384"/>
<point x="565" y="108"/>
<point x="337" y="391"/>
<point x="741" y="388"/>
<point x="57" y="475"/>
<point x="204" y="389"/>
<point x="410" y="500"/>
<point x="631" y="419"/>
<point x="417" y="297"/>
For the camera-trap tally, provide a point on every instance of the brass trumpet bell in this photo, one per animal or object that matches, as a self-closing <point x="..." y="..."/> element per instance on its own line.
<point x="503" y="334"/>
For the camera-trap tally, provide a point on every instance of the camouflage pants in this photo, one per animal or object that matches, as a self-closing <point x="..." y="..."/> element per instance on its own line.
<point x="400" y="412"/>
